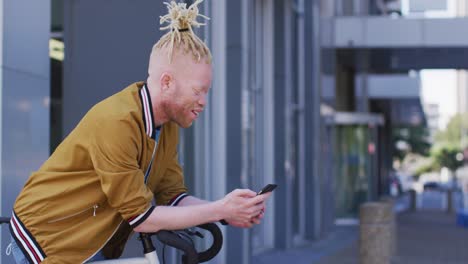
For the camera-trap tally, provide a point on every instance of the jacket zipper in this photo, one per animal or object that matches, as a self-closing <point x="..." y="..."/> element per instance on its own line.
<point x="95" y="207"/>
<point x="153" y="156"/>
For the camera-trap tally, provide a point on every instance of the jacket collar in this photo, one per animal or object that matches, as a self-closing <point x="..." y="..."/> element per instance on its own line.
<point x="147" y="107"/>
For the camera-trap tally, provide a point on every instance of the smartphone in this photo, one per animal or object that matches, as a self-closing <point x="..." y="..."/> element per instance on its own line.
<point x="268" y="188"/>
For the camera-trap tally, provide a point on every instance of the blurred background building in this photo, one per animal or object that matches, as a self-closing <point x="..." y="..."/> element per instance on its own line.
<point x="308" y="94"/>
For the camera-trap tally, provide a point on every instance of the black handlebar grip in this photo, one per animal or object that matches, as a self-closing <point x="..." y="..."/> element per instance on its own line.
<point x="146" y="242"/>
<point x="217" y="242"/>
<point x="4" y="220"/>
<point x="174" y="240"/>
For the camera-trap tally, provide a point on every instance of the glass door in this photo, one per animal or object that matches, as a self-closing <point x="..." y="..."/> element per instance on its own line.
<point x="352" y="169"/>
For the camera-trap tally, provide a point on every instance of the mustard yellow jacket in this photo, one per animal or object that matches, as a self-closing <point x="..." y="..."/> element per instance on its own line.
<point x="93" y="186"/>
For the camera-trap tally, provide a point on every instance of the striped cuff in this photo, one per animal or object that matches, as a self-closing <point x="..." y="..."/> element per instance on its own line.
<point x="25" y="241"/>
<point x="176" y="200"/>
<point x="137" y="220"/>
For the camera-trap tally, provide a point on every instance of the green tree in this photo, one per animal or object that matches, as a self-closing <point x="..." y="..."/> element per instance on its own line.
<point x="409" y="139"/>
<point x="448" y="146"/>
<point x="456" y="133"/>
<point x="447" y="157"/>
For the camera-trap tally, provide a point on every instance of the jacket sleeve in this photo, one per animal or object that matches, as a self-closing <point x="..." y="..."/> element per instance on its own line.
<point x="171" y="190"/>
<point x="114" y="151"/>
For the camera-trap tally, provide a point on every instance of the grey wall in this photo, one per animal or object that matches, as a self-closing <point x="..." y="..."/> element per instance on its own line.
<point x="282" y="221"/>
<point x="315" y="182"/>
<point x="239" y="244"/>
<point x="107" y="45"/>
<point x="24" y="98"/>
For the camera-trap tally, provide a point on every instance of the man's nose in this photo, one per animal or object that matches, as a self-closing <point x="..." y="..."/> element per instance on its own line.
<point x="202" y="100"/>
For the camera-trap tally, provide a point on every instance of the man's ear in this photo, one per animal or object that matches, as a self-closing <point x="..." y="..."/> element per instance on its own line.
<point x="165" y="81"/>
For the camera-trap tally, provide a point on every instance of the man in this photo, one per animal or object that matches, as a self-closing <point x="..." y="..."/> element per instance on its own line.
<point x="99" y="184"/>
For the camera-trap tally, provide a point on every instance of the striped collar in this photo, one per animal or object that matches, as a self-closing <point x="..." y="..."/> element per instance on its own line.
<point x="147" y="109"/>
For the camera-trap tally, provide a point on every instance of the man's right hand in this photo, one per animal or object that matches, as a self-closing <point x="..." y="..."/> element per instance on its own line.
<point x="240" y="206"/>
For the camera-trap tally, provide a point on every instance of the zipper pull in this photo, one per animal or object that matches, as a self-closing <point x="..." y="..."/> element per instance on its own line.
<point x="95" y="208"/>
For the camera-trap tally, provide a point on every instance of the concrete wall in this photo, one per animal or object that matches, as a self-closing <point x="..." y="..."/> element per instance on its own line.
<point x="107" y="46"/>
<point x="390" y="86"/>
<point x="384" y="32"/>
<point x="24" y="98"/>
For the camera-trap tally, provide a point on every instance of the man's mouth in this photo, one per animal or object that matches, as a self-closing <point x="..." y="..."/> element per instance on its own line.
<point x="196" y="113"/>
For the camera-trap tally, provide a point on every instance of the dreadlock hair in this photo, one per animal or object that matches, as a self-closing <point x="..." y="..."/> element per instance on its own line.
<point x="181" y="36"/>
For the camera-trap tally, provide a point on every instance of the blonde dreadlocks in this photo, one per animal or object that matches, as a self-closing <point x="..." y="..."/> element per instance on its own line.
<point x="181" y="20"/>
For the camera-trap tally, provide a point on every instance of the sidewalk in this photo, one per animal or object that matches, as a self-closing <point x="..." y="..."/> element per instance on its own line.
<point x="342" y="237"/>
<point x="429" y="237"/>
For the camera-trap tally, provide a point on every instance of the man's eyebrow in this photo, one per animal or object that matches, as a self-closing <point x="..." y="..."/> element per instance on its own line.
<point x="201" y="88"/>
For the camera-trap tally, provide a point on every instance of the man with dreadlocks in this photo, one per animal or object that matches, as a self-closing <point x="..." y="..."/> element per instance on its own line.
<point x="99" y="184"/>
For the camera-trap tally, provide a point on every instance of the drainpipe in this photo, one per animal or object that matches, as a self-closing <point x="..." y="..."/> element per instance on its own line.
<point x="246" y="121"/>
<point x="298" y="108"/>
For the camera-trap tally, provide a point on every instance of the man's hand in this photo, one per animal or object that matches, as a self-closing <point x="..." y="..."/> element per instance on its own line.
<point x="244" y="208"/>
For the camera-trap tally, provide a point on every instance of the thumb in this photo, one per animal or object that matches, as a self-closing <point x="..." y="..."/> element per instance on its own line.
<point x="245" y="193"/>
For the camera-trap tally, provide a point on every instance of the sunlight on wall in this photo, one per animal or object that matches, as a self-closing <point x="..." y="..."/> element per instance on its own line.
<point x="440" y="87"/>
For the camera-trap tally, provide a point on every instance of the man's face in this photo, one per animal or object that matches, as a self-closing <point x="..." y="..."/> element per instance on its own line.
<point x="189" y="94"/>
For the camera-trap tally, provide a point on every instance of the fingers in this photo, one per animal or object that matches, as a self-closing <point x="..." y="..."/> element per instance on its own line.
<point x="249" y="223"/>
<point x="266" y="195"/>
<point x="258" y="219"/>
<point x="258" y="210"/>
<point x="255" y="221"/>
<point x="253" y="211"/>
<point x="241" y="224"/>
<point x="260" y="199"/>
<point x="260" y="215"/>
<point x="244" y="193"/>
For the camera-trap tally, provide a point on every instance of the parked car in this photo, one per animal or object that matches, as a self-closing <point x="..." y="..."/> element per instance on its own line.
<point x="432" y="186"/>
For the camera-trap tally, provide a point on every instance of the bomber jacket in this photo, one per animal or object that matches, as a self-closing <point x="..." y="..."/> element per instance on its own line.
<point x="93" y="186"/>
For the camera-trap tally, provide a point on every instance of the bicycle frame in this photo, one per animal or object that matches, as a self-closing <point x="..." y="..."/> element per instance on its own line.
<point x="150" y="258"/>
<point x="170" y="238"/>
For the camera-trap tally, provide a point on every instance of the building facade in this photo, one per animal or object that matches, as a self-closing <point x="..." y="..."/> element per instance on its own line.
<point x="261" y="125"/>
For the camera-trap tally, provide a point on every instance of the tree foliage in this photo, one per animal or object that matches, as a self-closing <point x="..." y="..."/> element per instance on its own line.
<point x="456" y="132"/>
<point x="448" y="144"/>
<point x="414" y="140"/>
<point x="447" y="157"/>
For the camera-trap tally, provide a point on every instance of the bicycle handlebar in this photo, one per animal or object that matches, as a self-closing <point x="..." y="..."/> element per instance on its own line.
<point x="191" y="256"/>
<point x="212" y="251"/>
<point x="172" y="239"/>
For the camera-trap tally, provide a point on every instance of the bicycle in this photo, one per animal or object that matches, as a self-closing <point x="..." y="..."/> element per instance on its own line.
<point x="179" y="239"/>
